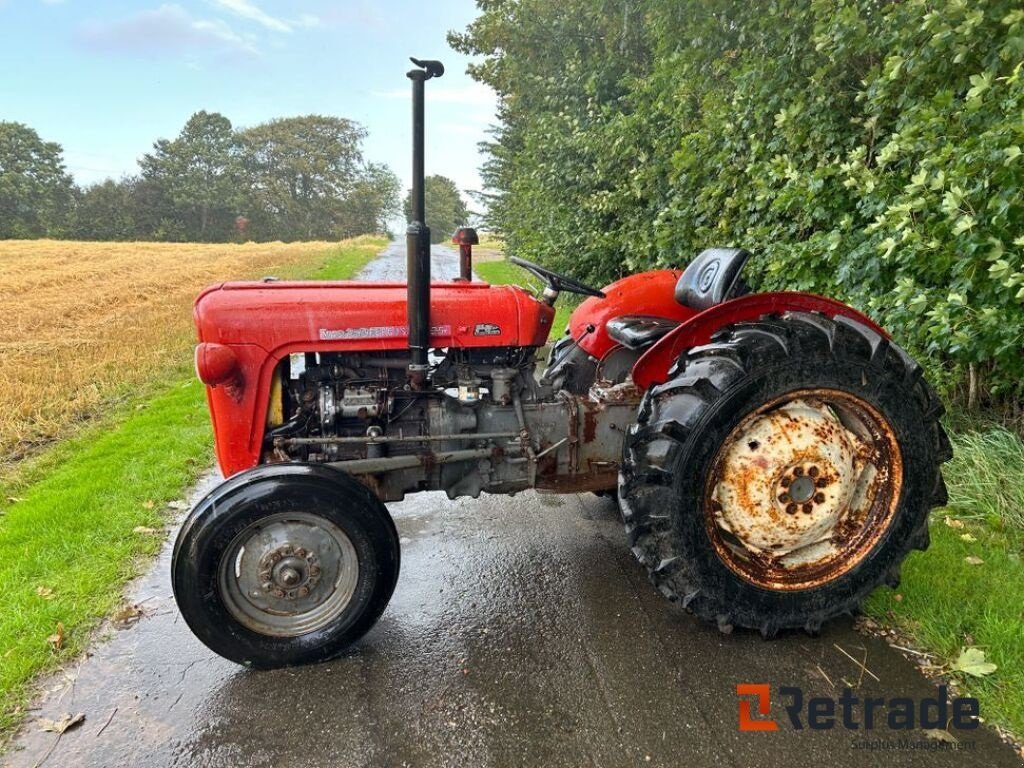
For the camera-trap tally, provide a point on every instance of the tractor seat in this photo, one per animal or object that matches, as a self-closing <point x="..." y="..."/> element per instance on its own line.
<point x="638" y="331"/>
<point x="710" y="279"/>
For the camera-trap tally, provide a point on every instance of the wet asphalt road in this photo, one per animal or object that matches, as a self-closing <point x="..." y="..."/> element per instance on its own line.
<point x="522" y="633"/>
<point x="390" y="265"/>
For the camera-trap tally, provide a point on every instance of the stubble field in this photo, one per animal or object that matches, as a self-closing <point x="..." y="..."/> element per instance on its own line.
<point x="85" y="323"/>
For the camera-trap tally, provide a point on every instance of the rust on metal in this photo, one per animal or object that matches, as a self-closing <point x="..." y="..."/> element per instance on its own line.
<point x="803" y="489"/>
<point x="603" y="480"/>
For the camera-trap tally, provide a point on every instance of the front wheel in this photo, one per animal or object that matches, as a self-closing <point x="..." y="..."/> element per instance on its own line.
<point x="284" y="565"/>
<point x="783" y="472"/>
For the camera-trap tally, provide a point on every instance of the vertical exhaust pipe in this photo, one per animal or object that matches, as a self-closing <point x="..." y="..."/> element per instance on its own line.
<point x="417" y="236"/>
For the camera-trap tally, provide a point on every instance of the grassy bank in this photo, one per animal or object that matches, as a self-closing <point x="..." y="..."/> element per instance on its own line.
<point x="78" y="520"/>
<point x="947" y="602"/>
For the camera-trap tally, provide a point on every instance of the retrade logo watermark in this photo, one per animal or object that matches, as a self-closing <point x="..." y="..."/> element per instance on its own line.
<point x="852" y="712"/>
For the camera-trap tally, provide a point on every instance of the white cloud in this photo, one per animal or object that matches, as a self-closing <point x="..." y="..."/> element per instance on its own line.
<point x="169" y="29"/>
<point x="252" y="12"/>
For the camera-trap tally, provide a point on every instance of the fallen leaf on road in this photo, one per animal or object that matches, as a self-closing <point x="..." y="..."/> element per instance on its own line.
<point x="147" y="531"/>
<point x="45" y="592"/>
<point x="148" y="504"/>
<point x="56" y="640"/>
<point x="127" y="615"/>
<point x="66" y="723"/>
<point x="972" y="662"/>
<point x="937" y="734"/>
<point x="972" y="560"/>
<point x="953" y="523"/>
<point x="967" y="537"/>
<point x="178" y="504"/>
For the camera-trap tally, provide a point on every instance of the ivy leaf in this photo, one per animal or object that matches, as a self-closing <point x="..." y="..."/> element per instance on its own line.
<point x="979" y="84"/>
<point x="972" y="662"/>
<point x="963" y="224"/>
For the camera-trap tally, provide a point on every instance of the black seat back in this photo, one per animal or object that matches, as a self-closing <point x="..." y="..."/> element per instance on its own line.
<point x="711" y="278"/>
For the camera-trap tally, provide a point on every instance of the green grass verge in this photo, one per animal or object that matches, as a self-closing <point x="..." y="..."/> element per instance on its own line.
<point x="946" y="603"/>
<point x="503" y="273"/>
<point x="68" y="517"/>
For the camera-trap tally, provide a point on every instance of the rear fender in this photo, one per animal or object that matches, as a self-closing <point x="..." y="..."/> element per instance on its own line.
<point x="652" y="368"/>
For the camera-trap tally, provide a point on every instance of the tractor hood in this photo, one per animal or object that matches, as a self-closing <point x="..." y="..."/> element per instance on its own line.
<point x="284" y="317"/>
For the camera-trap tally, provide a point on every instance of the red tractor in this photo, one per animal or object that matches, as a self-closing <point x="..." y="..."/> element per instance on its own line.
<point x="774" y="456"/>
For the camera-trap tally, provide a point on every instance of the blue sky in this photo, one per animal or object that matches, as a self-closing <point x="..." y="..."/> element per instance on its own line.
<point x="105" y="78"/>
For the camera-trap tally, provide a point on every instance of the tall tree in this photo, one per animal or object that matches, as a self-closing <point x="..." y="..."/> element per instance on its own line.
<point x="199" y="172"/>
<point x="35" y="189"/>
<point x="445" y="208"/>
<point x="373" y="202"/>
<point x="299" y="172"/>
<point x="106" y="211"/>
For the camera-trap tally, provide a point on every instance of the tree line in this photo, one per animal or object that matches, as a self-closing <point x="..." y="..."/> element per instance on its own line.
<point x="869" y="150"/>
<point x="298" y="178"/>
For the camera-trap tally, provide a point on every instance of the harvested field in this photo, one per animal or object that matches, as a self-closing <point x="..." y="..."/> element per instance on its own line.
<point x="85" y="322"/>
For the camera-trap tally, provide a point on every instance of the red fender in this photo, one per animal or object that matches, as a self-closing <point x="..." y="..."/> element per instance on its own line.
<point x="652" y="367"/>
<point x="645" y="293"/>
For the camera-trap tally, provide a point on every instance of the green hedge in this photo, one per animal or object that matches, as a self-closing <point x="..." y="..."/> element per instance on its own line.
<point x="866" y="150"/>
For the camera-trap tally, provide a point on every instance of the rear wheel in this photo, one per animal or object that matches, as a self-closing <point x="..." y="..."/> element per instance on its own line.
<point x="285" y="565"/>
<point x="783" y="472"/>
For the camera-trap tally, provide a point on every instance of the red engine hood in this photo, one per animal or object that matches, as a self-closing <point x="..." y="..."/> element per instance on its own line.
<point x="347" y="316"/>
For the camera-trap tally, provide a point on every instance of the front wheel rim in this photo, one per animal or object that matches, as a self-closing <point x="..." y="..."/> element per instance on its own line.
<point x="802" y="489"/>
<point x="288" y="574"/>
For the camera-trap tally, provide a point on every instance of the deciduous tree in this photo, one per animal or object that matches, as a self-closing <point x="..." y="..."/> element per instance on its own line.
<point x="35" y="189"/>
<point x="445" y="208"/>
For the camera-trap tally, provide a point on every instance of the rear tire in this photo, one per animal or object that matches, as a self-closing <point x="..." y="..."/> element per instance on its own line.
<point x="285" y="564"/>
<point x="741" y="570"/>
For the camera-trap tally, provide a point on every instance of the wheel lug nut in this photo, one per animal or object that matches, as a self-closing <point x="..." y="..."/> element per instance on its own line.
<point x="300" y="552"/>
<point x="819" y="497"/>
<point x="785" y="482"/>
<point x="791" y="509"/>
<point x="798" y="471"/>
<point x="303" y="591"/>
<point x="821" y="482"/>
<point x="783" y="497"/>
<point x="808" y="508"/>
<point x="813" y="471"/>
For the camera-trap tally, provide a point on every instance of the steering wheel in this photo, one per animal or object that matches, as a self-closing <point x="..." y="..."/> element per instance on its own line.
<point x="555" y="281"/>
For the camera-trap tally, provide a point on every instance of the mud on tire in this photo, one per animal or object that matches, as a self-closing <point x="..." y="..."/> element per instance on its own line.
<point x="683" y="424"/>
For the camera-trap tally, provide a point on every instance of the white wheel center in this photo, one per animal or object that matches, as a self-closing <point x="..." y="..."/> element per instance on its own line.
<point x="787" y="480"/>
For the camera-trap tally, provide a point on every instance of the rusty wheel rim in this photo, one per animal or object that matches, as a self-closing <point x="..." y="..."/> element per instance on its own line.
<point x="803" y="489"/>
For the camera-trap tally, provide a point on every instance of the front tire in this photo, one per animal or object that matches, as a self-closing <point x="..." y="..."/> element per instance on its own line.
<point x="284" y="565"/>
<point x="784" y="471"/>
